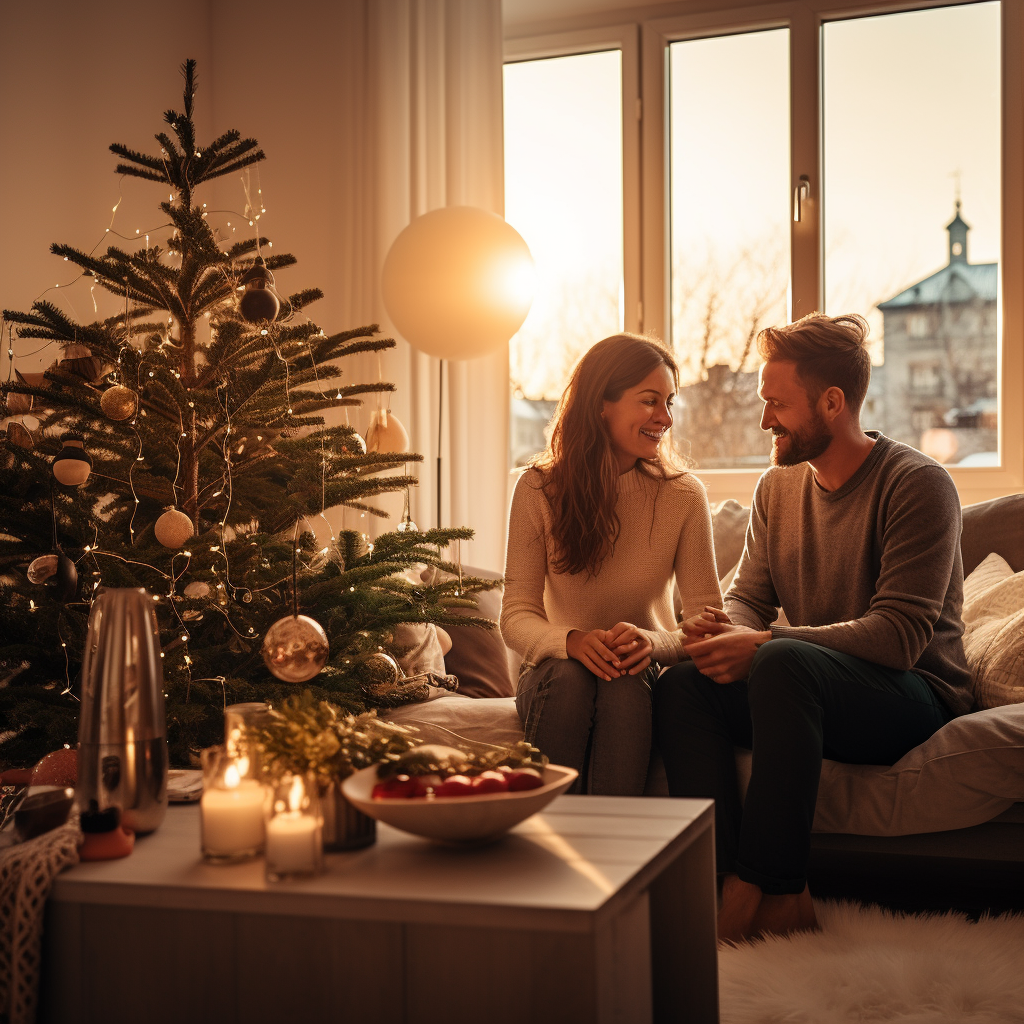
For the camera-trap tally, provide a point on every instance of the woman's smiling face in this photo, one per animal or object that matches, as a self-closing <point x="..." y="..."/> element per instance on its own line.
<point x="637" y="421"/>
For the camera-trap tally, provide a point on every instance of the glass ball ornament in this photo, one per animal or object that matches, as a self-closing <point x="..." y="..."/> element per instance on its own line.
<point x="458" y="282"/>
<point x="42" y="568"/>
<point x="119" y="403"/>
<point x="295" y="648"/>
<point x="378" y="669"/>
<point x="259" y="301"/>
<point x="71" y="466"/>
<point x="173" y="529"/>
<point x="386" y="433"/>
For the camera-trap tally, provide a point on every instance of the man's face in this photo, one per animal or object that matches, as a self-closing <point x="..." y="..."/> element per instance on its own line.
<point x="799" y="431"/>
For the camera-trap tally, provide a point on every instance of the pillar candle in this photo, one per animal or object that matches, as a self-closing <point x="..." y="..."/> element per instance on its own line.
<point x="233" y="819"/>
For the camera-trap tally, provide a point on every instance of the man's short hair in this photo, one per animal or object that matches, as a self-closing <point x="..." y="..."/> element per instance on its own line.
<point x="829" y="351"/>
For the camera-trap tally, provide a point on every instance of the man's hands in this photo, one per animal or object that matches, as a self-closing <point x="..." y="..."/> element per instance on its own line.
<point x="720" y="649"/>
<point x="610" y="653"/>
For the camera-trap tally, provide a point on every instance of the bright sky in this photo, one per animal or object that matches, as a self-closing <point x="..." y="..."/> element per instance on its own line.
<point x="911" y="102"/>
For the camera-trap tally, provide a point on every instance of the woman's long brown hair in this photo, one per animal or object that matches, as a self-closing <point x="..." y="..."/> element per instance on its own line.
<point x="579" y="468"/>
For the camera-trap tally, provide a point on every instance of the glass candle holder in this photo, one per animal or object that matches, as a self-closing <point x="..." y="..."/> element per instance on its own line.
<point x="231" y="808"/>
<point x="240" y="724"/>
<point x="294" y="829"/>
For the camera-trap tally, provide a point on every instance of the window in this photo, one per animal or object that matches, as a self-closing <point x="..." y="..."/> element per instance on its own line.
<point x="794" y="159"/>
<point x="729" y="157"/>
<point x="912" y="209"/>
<point x="564" y="170"/>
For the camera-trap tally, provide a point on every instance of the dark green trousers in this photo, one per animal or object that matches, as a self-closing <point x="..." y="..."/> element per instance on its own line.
<point x="800" y="703"/>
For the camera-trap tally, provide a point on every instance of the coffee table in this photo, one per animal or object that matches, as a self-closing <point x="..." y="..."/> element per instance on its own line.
<point x="599" y="909"/>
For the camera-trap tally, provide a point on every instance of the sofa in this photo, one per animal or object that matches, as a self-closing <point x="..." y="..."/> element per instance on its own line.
<point x="944" y="826"/>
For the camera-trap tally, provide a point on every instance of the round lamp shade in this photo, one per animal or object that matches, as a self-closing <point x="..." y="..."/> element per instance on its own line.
<point x="458" y="282"/>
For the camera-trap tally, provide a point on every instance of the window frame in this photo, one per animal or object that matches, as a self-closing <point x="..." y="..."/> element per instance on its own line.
<point x="646" y="229"/>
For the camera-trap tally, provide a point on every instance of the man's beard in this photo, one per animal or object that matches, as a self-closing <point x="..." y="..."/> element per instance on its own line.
<point x="804" y="445"/>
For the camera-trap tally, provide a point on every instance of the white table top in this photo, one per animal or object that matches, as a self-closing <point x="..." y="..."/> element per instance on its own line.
<point x="579" y="858"/>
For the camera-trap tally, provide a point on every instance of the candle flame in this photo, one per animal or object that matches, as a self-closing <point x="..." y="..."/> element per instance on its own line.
<point x="231" y="777"/>
<point x="295" y="794"/>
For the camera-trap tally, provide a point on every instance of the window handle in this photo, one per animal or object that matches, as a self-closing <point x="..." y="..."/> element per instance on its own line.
<point x="801" y="194"/>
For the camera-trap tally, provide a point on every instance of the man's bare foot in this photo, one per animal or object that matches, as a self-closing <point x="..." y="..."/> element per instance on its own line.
<point x="783" y="915"/>
<point x="740" y="902"/>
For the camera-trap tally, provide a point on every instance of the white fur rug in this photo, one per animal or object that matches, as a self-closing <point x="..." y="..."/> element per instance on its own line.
<point x="868" y="964"/>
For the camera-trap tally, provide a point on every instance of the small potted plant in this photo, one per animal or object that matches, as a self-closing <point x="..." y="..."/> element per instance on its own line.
<point x="308" y="737"/>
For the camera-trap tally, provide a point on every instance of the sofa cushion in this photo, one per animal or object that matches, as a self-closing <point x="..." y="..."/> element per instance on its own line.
<point x="729" y="528"/>
<point x="994" y="526"/>
<point x="478" y="656"/>
<point x="455" y="716"/>
<point x="971" y="770"/>
<point x="994" y="632"/>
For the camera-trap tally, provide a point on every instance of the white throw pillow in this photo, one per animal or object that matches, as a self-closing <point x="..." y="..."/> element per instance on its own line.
<point x="994" y="632"/>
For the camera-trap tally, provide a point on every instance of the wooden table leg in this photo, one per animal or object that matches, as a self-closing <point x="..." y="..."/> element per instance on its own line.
<point x="684" y="949"/>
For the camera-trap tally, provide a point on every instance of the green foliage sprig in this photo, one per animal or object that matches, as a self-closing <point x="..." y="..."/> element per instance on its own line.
<point x="306" y="735"/>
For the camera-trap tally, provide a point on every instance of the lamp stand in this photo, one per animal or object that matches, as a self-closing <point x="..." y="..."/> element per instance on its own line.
<point x="440" y="423"/>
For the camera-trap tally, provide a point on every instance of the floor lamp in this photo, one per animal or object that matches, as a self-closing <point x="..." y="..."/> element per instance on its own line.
<point x="457" y="283"/>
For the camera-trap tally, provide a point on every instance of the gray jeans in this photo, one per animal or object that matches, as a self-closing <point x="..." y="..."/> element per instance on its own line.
<point x="602" y="728"/>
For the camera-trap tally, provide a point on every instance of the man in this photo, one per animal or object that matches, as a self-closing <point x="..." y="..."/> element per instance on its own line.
<point x="857" y="537"/>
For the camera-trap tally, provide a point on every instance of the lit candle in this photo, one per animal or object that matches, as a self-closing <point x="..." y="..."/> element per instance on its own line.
<point x="293" y="837"/>
<point x="232" y="816"/>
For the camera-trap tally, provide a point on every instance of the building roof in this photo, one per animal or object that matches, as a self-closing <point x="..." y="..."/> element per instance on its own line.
<point x="956" y="282"/>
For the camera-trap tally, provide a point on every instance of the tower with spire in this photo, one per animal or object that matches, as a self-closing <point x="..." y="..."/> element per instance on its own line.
<point x="941" y="354"/>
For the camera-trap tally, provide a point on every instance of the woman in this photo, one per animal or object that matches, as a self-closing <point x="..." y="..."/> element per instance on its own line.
<point x="602" y="524"/>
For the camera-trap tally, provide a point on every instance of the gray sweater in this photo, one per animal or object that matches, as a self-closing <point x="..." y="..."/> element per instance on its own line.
<point x="872" y="569"/>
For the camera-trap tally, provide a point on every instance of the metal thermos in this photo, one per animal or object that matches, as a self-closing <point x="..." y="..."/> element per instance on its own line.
<point x="122" y="728"/>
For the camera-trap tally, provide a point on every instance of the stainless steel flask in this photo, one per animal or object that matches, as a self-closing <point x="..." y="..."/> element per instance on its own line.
<point x="122" y="728"/>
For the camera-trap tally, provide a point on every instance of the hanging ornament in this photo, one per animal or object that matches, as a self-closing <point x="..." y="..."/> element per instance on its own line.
<point x="17" y="434"/>
<point x="119" y="402"/>
<point x="354" y="444"/>
<point x="79" y="361"/>
<point x="378" y="669"/>
<point x="173" y="528"/>
<point x="406" y="525"/>
<point x="42" y="568"/>
<point x="295" y="648"/>
<point x="259" y="301"/>
<point x="386" y="433"/>
<point x="197" y="591"/>
<point x="72" y="465"/>
<point x="18" y="404"/>
<point x="65" y="580"/>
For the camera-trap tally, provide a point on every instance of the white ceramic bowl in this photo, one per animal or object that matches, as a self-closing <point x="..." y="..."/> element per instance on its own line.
<point x="457" y="819"/>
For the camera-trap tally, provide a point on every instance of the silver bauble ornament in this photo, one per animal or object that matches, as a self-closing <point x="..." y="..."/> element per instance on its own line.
<point x="173" y="529"/>
<point x="385" y="433"/>
<point x="119" y="402"/>
<point x="295" y="648"/>
<point x="42" y="568"/>
<point x="197" y="590"/>
<point x="65" y="581"/>
<point x="259" y="301"/>
<point x="72" y="465"/>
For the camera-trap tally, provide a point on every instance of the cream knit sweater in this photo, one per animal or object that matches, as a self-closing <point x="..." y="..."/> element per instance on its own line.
<point x="665" y="536"/>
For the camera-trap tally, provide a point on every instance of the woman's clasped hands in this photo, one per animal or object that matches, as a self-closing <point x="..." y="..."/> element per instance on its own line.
<point x="610" y="653"/>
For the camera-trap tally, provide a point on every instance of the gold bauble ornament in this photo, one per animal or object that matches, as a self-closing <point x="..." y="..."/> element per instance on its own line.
<point x="378" y="669"/>
<point x="119" y="402"/>
<point x="386" y="433"/>
<point x="18" y="404"/>
<point x="295" y="648"/>
<point x="173" y="529"/>
<point x="18" y="435"/>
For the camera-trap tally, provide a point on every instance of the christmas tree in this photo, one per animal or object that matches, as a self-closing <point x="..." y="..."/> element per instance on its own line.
<point x="182" y="447"/>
